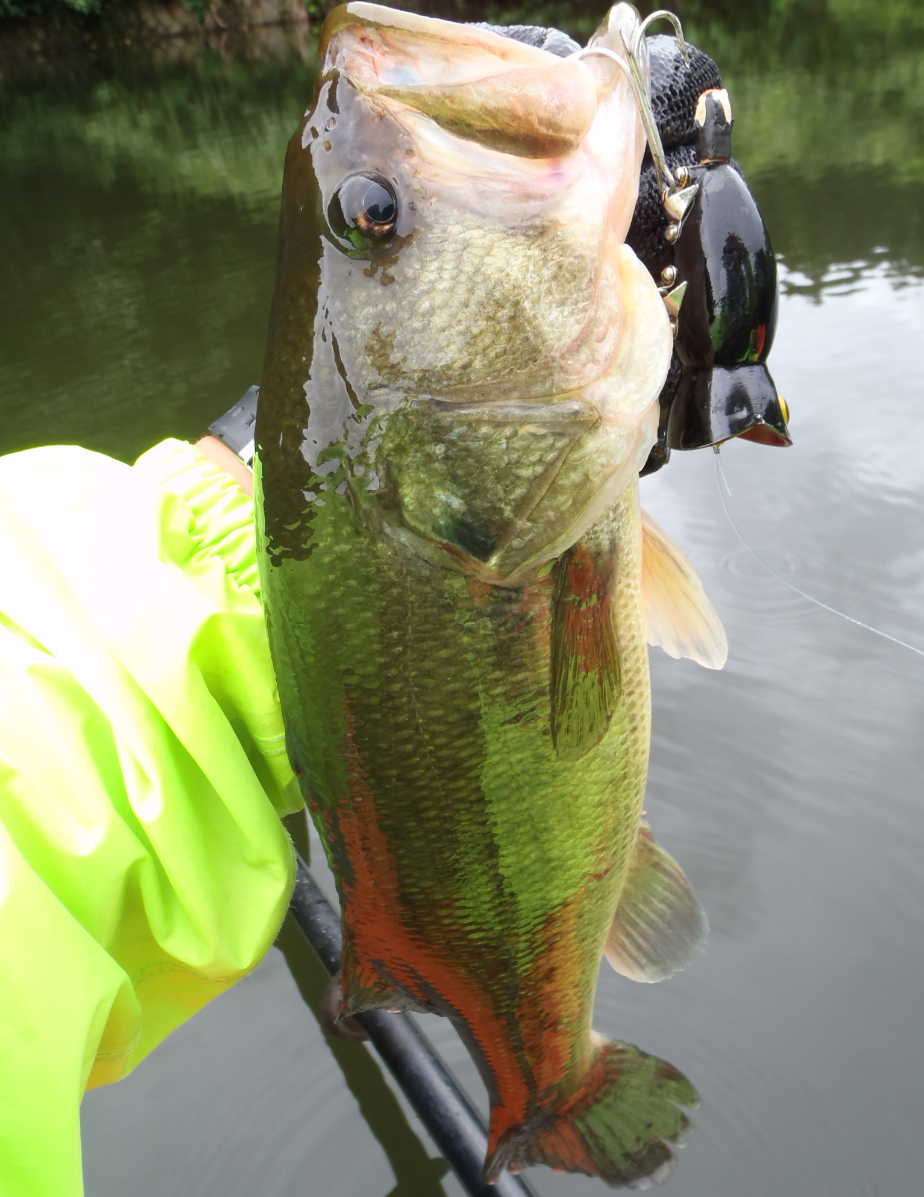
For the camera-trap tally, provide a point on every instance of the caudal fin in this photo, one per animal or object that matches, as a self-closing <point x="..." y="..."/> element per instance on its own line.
<point x="620" y="1125"/>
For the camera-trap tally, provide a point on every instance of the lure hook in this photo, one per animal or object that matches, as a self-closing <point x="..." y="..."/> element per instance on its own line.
<point x="632" y="70"/>
<point x="676" y="195"/>
<point x="664" y="15"/>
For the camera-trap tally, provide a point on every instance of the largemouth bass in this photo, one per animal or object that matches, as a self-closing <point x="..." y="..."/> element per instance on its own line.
<point x="460" y="388"/>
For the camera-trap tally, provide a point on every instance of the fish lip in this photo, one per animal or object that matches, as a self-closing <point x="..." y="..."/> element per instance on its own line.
<point x="377" y="17"/>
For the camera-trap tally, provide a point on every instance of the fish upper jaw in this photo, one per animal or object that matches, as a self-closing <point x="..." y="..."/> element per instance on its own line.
<point x="395" y="46"/>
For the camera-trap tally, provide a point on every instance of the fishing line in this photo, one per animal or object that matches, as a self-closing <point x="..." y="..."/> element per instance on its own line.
<point x="723" y="482"/>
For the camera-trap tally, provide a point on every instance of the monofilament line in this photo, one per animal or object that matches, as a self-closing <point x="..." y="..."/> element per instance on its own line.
<point x="720" y="478"/>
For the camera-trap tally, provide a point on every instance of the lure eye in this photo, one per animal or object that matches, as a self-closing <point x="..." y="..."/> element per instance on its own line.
<point x="364" y="211"/>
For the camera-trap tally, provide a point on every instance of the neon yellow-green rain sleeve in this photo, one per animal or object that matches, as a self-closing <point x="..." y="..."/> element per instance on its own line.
<point x="143" y="866"/>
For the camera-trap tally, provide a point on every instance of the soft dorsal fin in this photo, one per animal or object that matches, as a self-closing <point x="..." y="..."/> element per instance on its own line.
<point x="678" y="616"/>
<point x="585" y="656"/>
<point x="659" y="923"/>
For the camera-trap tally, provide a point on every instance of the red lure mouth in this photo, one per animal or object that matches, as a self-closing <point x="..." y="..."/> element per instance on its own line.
<point x="763" y="434"/>
<point x="712" y="405"/>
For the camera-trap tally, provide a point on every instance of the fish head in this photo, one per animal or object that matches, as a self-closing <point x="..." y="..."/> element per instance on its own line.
<point x="461" y="343"/>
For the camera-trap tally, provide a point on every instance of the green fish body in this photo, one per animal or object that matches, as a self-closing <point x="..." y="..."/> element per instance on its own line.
<point x="456" y="401"/>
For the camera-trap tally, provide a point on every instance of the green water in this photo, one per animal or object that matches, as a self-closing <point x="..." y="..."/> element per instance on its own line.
<point x="138" y="248"/>
<point x="138" y="207"/>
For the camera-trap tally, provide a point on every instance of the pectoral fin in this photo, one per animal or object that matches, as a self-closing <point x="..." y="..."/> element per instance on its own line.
<point x="585" y="655"/>
<point x="678" y="616"/>
<point x="659" y="923"/>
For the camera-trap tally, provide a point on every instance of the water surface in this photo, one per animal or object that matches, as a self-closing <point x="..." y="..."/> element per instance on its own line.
<point x="137" y="253"/>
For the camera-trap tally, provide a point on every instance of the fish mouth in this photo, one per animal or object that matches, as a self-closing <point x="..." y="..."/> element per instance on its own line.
<point x="489" y="95"/>
<point x="470" y="80"/>
<point x="715" y="404"/>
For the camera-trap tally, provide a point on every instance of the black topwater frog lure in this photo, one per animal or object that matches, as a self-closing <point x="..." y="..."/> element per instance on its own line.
<point x="714" y="261"/>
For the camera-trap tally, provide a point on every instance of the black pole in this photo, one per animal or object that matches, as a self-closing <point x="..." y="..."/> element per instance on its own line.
<point x="442" y="1106"/>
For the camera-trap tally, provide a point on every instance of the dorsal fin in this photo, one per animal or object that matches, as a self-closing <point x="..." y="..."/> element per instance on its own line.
<point x="678" y="616"/>
<point x="585" y="655"/>
<point x="659" y="923"/>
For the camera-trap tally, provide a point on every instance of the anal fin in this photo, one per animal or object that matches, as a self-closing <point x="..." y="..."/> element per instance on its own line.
<point x="365" y="986"/>
<point x="678" y="616"/>
<point x="659" y="923"/>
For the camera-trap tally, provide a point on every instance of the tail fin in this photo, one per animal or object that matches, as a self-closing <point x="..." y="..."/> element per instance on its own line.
<point x="620" y="1125"/>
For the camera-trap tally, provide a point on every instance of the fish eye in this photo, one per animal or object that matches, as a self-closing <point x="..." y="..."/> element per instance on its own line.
<point x="364" y="211"/>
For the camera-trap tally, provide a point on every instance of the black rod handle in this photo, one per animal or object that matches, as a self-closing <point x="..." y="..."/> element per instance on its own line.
<point x="441" y="1104"/>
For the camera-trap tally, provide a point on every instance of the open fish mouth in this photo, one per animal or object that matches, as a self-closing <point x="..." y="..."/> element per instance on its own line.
<point x="512" y="97"/>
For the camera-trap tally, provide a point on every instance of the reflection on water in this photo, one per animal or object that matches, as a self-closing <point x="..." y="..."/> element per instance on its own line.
<point x="415" y="1173"/>
<point x="137" y="241"/>
<point x="834" y="139"/>
<point x="137" y="250"/>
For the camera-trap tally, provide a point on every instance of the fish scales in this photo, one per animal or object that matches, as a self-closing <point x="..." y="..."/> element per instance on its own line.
<point x="476" y="742"/>
<point x="473" y="329"/>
